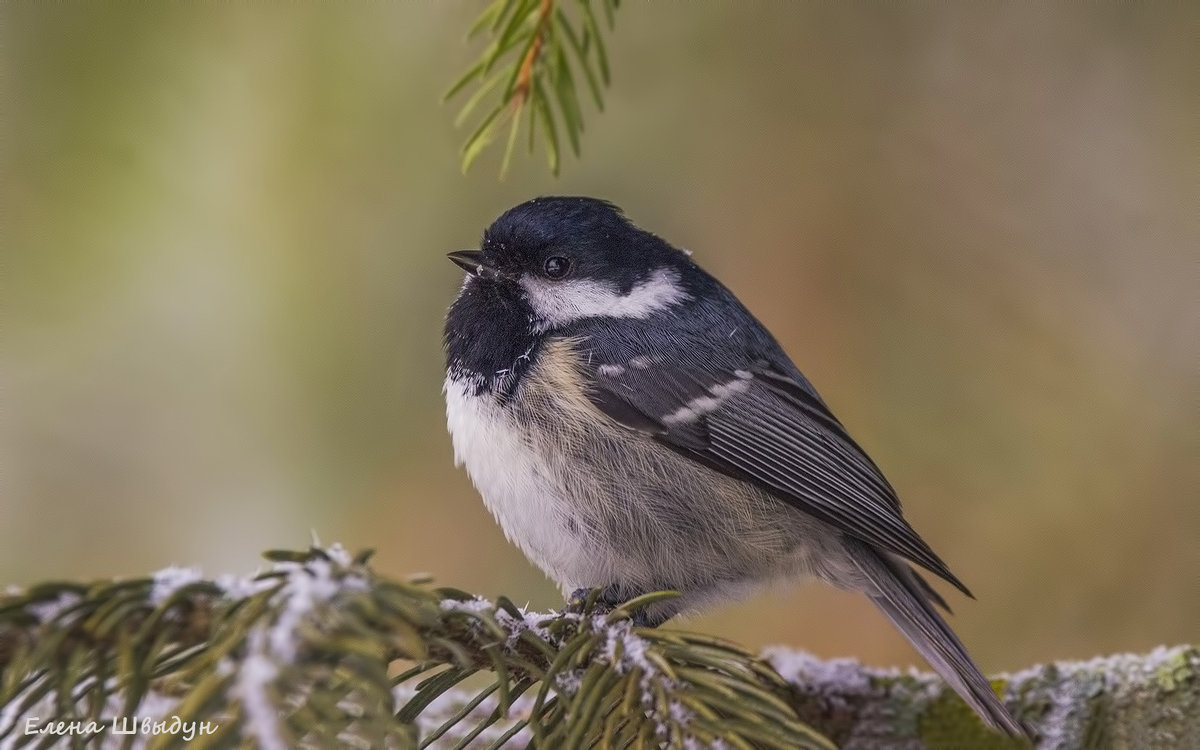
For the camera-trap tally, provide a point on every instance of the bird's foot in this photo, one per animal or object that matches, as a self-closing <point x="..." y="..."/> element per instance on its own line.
<point x="577" y="601"/>
<point x="603" y="601"/>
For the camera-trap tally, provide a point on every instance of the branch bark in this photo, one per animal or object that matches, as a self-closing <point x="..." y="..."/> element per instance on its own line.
<point x="1125" y="701"/>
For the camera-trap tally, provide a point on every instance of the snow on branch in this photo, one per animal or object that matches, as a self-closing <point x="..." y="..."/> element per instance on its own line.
<point x="319" y="650"/>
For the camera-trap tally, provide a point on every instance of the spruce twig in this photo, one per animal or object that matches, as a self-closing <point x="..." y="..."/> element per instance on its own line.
<point x="319" y="650"/>
<point x="528" y="54"/>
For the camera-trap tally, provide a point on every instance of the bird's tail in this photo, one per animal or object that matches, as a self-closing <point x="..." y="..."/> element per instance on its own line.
<point x="904" y="598"/>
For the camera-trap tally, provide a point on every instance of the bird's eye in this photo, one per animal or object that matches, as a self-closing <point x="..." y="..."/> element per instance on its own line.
<point x="557" y="267"/>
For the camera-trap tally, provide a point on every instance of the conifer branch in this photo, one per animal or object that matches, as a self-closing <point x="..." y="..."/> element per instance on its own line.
<point x="319" y="650"/>
<point x="536" y="47"/>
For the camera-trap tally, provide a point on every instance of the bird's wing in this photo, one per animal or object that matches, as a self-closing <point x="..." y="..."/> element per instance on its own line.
<point x="765" y="424"/>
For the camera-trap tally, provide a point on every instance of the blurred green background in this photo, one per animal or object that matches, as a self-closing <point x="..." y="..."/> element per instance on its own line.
<point x="224" y="228"/>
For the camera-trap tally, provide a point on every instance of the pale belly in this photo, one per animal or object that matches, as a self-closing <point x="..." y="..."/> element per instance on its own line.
<point x="593" y="504"/>
<point x="520" y="488"/>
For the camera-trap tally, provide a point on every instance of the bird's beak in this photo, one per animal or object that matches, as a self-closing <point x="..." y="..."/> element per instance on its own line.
<point x="470" y="261"/>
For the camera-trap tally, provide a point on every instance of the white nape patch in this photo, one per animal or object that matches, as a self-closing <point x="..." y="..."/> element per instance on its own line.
<point x="697" y="407"/>
<point x="641" y="363"/>
<point x="611" y="370"/>
<point x="561" y="302"/>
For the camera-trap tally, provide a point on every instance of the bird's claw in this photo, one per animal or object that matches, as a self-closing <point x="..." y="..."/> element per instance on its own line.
<point x="577" y="601"/>
<point x="604" y="603"/>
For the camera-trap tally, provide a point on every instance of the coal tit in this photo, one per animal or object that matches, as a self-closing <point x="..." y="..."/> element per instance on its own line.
<point x="633" y="428"/>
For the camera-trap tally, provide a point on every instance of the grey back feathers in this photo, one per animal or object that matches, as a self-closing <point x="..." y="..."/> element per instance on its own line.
<point x="734" y="401"/>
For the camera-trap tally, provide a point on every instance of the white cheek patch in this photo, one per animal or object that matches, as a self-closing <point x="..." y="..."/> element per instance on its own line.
<point x="697" y="407"/>
<point x="561" y="302"/>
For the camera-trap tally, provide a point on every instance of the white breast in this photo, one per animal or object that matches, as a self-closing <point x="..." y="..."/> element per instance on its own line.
<point x="594" y="504"/>
<point x="516" y="484"/>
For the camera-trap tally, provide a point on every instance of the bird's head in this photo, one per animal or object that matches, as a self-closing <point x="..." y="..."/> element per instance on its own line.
<point x="572" y="258"/>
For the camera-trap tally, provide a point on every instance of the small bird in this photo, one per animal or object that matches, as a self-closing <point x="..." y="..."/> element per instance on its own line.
<point x="633" y="428"/>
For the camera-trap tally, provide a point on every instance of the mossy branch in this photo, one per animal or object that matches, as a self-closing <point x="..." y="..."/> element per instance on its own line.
<point x="319" y="650"/>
